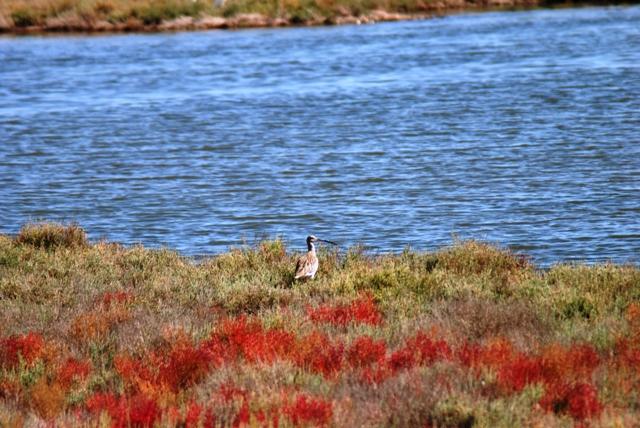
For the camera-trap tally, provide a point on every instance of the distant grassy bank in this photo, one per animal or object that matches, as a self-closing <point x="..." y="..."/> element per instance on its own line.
<point x="24" y="16"/>
<point x="97" y="334"/>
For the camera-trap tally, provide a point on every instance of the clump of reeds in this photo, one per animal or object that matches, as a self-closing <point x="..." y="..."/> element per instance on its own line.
<point x="49" y="235"/>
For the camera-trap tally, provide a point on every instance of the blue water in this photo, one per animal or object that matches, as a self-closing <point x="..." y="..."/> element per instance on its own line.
<point x="520" y="128"/>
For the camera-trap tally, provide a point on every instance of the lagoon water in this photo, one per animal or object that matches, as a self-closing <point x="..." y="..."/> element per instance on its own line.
<point x="520" y="128"/>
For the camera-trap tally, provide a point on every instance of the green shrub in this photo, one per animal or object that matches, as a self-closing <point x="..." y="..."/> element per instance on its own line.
<point x="579" y="307"/>
<point x="156" y="12"/>
<point x="300" y="16"/>
<point x="230" y="10"/>
<point x="24" y="17"/>
<point x="452" y="413"/>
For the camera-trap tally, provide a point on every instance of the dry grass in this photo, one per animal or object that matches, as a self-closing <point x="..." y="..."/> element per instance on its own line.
<point x="52" y="235"/>
<point x="479" y="319"/>
<point x="61" y="14"/>
<point x="159" y="332"/>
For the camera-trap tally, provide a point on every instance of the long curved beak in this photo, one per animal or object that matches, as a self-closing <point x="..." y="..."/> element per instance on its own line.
<point x="328" y="242"/>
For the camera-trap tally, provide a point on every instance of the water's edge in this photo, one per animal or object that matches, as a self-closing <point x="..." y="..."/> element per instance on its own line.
<point x="256" y="20"/>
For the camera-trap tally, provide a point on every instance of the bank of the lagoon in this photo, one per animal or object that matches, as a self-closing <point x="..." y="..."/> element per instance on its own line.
<point x="40" y="16"/>
<point x="469" y="335"/>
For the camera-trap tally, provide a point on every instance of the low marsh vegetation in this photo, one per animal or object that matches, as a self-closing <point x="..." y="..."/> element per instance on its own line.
<point x="23" y="13"/>
<point x="471" y="335"/>
<point x="133" y="15"/>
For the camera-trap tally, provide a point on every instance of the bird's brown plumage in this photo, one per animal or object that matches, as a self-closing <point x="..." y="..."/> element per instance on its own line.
<point x="307" y="265"/>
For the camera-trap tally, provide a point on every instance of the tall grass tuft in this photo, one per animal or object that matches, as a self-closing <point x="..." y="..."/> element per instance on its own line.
<point x="475" y="258"/>
<point x="52" y="235"/>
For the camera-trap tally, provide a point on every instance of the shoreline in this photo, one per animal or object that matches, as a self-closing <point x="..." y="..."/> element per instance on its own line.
<point x="77" y="25"/>
<point x="188" y="23"/>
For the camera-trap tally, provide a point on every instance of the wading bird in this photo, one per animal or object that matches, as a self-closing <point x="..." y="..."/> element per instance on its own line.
<point x="307" y="265"/>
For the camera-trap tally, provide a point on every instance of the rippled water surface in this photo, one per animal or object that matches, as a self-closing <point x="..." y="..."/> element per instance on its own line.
<point x="520" y="128"/>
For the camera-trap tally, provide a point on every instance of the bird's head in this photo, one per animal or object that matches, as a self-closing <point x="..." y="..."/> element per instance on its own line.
<point x="312" y="238"/>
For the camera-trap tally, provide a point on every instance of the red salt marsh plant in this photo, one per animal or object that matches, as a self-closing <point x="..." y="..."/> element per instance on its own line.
<point x="419" y="350"/>
<point x="193" y="415"/>
<point x="301" y="409"/>
<point x="72" y="370"/>
<point x="627" y="353"/>
<point x="134" y="411"/>
<point x="306" y="410"/>
<point x="165" y="370"/>
<point x="426" y="350"/>
<point x="495" y="353"/>
<point x="317" y="353"/>
<point x="572" y="363"/>
<point x="246" y="338"/>
<point x="139" y="410"/>
<point x="182" y="363"/>
<point x="579" y="400"/>
<point x="26" y="347"/>
<point x="565" y="372"/>
<point x="556" y="363"/>
<point x="361" y="311"/>
<point x="364" y="351"/>
<point x="115" y="298"/>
